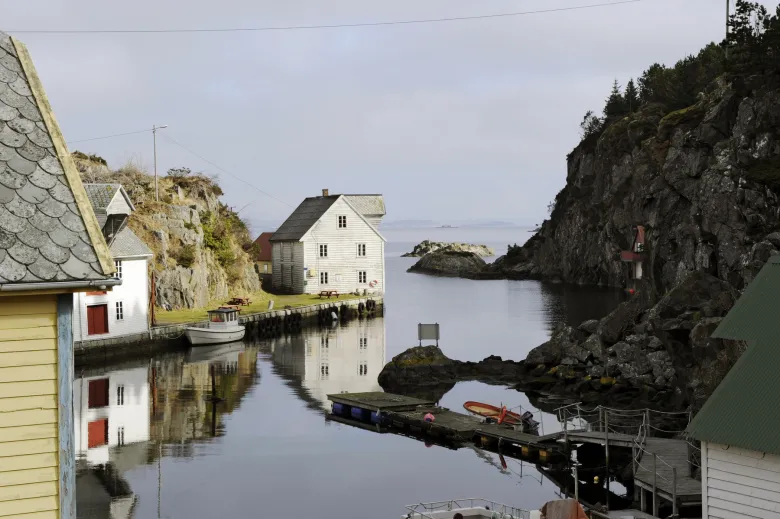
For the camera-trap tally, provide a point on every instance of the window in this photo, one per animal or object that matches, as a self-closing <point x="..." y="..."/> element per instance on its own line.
<point x="342" y="222"/>
<point x="324" y="343"/>
<point x="363" y="343"/>
<point x="120" y="312"/>
<point x="323" y="278"/>
<point x="363" y="369"/>
<point x="324" y="371"/>
<point x="323" y="251"/>
<point x="362" y="276"/>
<point x="265" y="267"/>
<point x="120" y="436"/>
<point x="120" y="395"/>
<point x="98" y="393"/>
<point x="118" y="265"/>
<point x="361" y="249"/>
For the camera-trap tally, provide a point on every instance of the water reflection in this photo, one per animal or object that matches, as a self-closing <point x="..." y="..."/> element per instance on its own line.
<point x="341" y="359"/>
<point x="572" y="304"/>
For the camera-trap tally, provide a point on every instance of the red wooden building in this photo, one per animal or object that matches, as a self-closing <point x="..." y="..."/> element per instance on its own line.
<point x="635" y="257"/>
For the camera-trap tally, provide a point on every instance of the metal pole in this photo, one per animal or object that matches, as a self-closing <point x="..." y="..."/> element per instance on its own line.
<point x="655" y="488"/>
<point x="156" y="189"/>
<point x="606" y="454"/>
<point x="576" y="484"/>
<point x="647" y="423"/>
<point x="674" y="492"/>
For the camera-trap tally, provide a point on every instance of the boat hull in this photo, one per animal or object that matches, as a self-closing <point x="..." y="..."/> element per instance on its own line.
<point x="202" y="336"/>
<point x="491" y="411"/>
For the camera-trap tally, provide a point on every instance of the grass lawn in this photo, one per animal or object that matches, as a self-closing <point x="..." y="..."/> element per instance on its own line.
<point x="259" y="305"/>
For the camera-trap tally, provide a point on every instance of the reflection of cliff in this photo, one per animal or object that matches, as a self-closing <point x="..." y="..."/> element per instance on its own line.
<point x="181" y="409"/>
<point x="340" y="359"/>
<point x="571" y="304"/>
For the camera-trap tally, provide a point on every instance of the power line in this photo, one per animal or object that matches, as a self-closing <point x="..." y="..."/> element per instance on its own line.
<point x="329" y="26"/>
<point x="109" y="136"/>
<point x="174" y="141"/>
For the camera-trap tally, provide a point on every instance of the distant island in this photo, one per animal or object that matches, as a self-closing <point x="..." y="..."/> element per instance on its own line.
<point x="431" y="224"/>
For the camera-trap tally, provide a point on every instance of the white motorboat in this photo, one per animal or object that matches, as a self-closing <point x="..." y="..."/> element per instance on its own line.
<point x="222" y="327"/>
<point x="469" y="508"/>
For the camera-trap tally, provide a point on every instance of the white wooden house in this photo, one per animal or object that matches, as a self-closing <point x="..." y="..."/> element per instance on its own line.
<point x="331" y="242"/>
<point x="739" y="425"/>
<point x="123" y="311"/>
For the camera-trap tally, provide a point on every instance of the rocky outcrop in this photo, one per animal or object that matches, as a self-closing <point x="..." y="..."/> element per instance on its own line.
<point x="449" y="262"/>
<point x="702" y="180"/>
<point x="199" y="243"/>
<point x="427" y="246"/>
<point x="656" y="352"/>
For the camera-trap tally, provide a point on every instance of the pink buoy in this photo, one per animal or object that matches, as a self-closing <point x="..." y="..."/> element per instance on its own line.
<point x="429" y="417"/>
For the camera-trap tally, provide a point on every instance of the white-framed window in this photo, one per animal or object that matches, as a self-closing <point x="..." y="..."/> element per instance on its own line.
<point x="323" y="278"/>
<point x="363" y="368"/>
<point x="362" y="276"/>
<point x="120" y="395"/>
<point x="324" y="342"/>
<point x="265" y="267"/>
<point x="118" y="265"/>
<point x="120" y="311"/>
<point x="342" y="222"/>
<point x="363" y="343"/>
<point x="323" y="251"/>
<point x="361" y="252"/>
<point x="120" y="435"/>
<point x="324" y="371"/>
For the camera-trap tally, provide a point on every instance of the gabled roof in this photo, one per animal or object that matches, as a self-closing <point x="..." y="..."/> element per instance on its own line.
<point x="101" y="195"/>
<point x="128" y="245"/>
<point x="743" y="410"/>
<point x="303" y="218"/>
<point x="48" y="232"/>
<point x="263" y="242"/>
<point x="367" y="205"/>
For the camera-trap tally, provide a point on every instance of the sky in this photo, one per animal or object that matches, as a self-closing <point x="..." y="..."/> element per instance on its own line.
<point x="460" y="120"/>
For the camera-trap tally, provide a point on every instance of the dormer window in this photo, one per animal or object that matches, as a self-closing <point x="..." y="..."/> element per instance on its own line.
<point x="118" y="265"/>
<point x="342" y="222"/>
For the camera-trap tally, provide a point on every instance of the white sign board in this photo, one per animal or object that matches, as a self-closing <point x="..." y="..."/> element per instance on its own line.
<point x="428" y="332"/>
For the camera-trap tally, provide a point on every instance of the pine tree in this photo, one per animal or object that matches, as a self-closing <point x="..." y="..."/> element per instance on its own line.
<point x="616" y="103"/>
<point x="631" y="96"/>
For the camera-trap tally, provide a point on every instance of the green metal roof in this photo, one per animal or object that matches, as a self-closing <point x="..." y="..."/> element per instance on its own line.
<point x="756" y="315"/>
<point x="744" y="410"/>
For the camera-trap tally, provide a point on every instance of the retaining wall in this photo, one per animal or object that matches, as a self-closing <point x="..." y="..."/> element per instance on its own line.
<point x="258" y="326"/>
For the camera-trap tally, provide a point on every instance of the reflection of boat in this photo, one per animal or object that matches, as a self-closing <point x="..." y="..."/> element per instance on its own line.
<point x="222" y="327"/>
<point x="501" y="414"/>
<point x="218" y="352"/>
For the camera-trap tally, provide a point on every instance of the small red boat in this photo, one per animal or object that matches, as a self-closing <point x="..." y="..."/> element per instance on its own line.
<point x="501" y="414"/>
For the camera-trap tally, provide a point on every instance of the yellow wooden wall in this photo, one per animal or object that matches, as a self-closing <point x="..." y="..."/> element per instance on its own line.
<point x="28" y="408"/>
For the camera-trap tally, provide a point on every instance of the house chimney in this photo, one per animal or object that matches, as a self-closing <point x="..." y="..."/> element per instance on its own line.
<point x="324" y="192"/>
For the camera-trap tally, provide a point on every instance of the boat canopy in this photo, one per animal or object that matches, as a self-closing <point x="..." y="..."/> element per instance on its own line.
<point x="223" y="315"/>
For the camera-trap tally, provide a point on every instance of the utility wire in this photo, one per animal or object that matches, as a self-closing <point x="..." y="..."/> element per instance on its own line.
<point x="174" y="141"/>
<point x="328" y="26"/>
<point x="109" y="136"/>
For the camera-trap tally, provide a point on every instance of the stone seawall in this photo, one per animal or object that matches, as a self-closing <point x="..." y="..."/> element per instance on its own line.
<point x="258" y="326"/>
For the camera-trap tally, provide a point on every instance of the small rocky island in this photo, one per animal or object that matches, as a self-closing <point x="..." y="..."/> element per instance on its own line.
<point x="450" y="262"/>
<point x="427" y="246"/>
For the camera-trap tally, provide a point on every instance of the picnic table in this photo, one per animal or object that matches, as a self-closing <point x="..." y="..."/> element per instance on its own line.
<point x="329" y="293"/>
<point x="240" y="301"/>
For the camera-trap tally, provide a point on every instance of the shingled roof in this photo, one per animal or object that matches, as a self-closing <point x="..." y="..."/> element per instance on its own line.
<point x="128" y="245"/>
<point x="743" y="410"/>
<point x="100" y="197"/>
<point x="304" y="216"/>
<point x="48" y="232"/>
<point x="367" y="205"/>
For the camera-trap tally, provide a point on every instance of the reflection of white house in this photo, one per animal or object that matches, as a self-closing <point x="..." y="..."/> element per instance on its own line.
<point x="125" y="310"/>
<point x="110" y="410"/>
<point x="342" y="359"/>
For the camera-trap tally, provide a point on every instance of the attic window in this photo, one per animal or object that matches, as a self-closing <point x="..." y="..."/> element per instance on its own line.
<point x="118" y="265"/>
<point x="342" y="222"/>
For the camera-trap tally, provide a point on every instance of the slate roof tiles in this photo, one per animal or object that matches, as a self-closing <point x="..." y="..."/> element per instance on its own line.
<point x="42" y="233"/>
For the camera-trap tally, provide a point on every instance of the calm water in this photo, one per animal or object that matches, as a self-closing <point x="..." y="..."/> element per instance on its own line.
<point x="266" y="449"/>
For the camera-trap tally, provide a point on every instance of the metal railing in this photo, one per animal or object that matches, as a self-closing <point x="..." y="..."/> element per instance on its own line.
<point x="425" y="510"/>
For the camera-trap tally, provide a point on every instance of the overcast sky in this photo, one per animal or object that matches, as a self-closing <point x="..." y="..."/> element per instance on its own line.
<point x="450" y="121"/>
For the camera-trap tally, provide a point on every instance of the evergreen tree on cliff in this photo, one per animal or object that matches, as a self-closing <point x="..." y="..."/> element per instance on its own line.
<point x="616" y="104"/>
<point x="632" y="96"/>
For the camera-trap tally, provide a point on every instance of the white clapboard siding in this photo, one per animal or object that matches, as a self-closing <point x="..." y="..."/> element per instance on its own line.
<point x="343" y="263"/>
<point x="740" y="483"/>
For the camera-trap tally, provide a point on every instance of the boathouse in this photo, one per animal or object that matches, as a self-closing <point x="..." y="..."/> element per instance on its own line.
<point x="738" y="426"/>
<point x="635" y="258"/>
<point x="263" y="256"/>
<point x="331" y="243"/>
<point x="51" y="247"/>
<point x="124" y="311"/>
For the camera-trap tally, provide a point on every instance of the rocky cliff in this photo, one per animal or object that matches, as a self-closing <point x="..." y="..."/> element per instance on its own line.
<point x="199" y="243"/>
<point x="703" y="181"/>
<point x="450" y="262"/>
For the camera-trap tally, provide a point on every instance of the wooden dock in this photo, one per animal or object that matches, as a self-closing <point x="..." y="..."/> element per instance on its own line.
<point x="670" y="454"/>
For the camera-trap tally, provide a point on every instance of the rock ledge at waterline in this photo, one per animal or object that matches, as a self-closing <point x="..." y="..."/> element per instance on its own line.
<point x="451" y="263"/>
<point x="658" y="353"/>
<point x="427" y="246"/>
